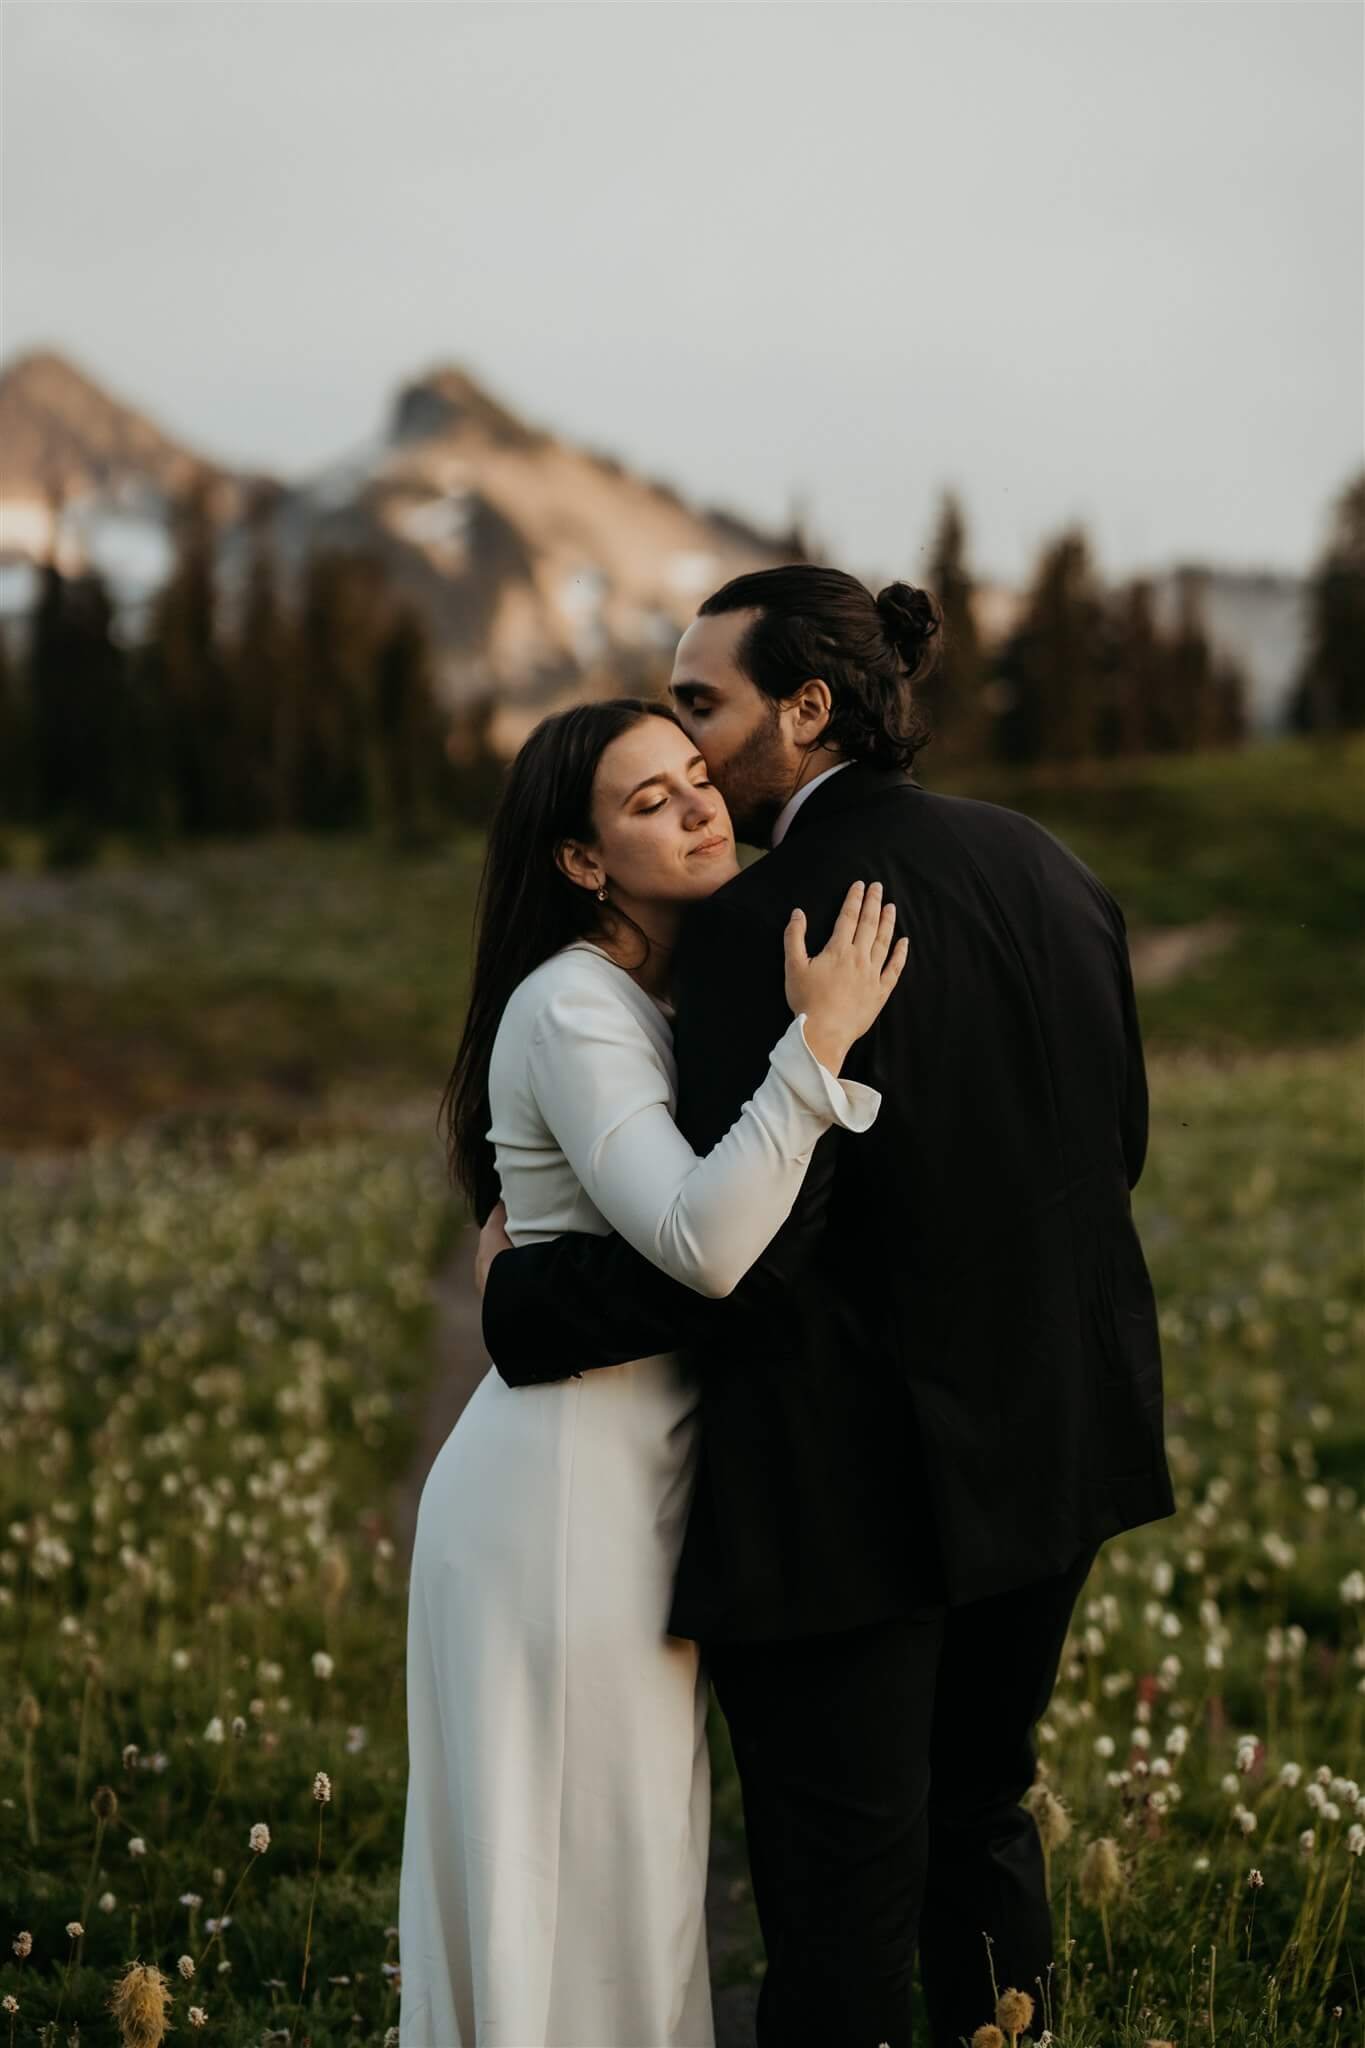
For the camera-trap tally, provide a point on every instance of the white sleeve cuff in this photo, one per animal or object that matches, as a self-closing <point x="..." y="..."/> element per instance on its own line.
<point x="850" y="1104"/>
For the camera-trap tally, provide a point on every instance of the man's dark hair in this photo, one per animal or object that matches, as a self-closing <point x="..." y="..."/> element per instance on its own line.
<point x="872" y="652"/>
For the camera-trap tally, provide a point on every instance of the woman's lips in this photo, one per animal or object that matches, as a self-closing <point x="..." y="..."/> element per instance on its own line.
<point x="708" y="846"/>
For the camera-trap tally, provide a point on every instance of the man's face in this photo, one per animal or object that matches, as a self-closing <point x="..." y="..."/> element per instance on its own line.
<point x="740" y="732"/>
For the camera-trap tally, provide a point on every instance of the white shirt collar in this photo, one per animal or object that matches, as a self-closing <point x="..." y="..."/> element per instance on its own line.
<point x="789" y="811"/>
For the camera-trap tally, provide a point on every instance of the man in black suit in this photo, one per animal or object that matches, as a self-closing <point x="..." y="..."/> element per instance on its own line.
<point x="939" y="1391"/>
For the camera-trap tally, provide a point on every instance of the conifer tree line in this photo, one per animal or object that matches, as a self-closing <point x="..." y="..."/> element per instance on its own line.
<point x="318" y="712"/>
<point x="1086" y="672"/>
<point x="312" y="712"/>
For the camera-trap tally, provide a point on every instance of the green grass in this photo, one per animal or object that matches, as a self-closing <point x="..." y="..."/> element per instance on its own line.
<point x="214" y="1359"/>
<point x="216" y="1345"/>
<point x="286" y="975"/>
<point x="1271" y="838"/>
<point x="294" y="975"/>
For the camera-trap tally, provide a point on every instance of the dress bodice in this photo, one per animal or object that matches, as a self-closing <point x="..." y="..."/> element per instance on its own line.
<point x="543" y="1194"/>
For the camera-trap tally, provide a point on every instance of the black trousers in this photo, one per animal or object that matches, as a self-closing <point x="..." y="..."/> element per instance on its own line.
<point x="881" y="1771"/>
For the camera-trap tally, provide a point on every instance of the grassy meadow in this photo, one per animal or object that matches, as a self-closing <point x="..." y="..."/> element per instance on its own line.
<point x="223" y="1213"/>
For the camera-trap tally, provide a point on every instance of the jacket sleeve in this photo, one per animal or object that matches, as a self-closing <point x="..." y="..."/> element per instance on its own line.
<point x="554" y="1310"/>
<point x="1134" y="1106"/>
<point x="701" y="1216"/>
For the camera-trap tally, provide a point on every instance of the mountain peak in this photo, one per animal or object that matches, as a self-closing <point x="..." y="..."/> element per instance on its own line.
<point x="63" y="434"/>
<point x="446" y="400"/>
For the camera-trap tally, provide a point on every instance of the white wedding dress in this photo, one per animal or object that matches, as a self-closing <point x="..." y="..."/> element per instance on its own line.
<point x="558" y="1802"/>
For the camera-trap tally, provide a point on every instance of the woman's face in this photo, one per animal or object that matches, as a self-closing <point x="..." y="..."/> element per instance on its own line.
<point x="663" y="834"/>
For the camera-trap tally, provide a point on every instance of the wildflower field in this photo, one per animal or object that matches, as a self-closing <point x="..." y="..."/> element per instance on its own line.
<point x="223" y="1213"/>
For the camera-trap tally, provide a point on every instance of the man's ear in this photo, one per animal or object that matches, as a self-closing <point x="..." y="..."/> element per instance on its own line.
<point x="813" y="705"/>
<point x="582" y="867"/>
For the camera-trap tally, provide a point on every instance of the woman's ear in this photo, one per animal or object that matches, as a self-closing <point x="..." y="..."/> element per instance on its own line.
<point x="582" y="867"/>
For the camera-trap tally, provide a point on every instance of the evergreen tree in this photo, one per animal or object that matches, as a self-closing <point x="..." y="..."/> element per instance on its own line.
<point x="1136" y="673"/>
<point x="187" y="671"/>
<point x="76" y="710"/>
<point x="18" y="768"/>
<point x="1190" y="688"/>
<point x="407" y="733"/>
<point x="1051" y="668"/>
<point x="263" y="670"/>
<point x="1330" y="692"/>
<point x="953" y="692"/>
<point x="342" y="620"/>
<point x="472" y="771"/>
<point x="1228" y="719"/>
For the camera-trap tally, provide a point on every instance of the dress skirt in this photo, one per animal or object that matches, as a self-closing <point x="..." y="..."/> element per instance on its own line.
<point x="558" y="1801"/>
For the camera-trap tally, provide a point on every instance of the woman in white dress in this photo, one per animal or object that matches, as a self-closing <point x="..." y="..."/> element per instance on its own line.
<point x="558" y="1802"/>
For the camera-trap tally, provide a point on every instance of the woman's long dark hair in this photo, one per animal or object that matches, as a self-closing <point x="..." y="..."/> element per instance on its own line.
<point x="527" y="907"/>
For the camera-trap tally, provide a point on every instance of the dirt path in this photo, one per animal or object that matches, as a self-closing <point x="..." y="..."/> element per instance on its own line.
<point x="1160" y="957"/>
<point x="462" y="1363"/>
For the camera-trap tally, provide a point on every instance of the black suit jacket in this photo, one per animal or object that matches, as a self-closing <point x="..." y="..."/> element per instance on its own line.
<point x="943" y="1378"/>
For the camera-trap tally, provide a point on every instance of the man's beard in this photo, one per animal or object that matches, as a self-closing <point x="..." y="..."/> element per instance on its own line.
<point x="756" y="782"/>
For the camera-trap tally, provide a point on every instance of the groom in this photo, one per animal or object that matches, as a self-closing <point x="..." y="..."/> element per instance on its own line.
<point x="939" y="1391"/>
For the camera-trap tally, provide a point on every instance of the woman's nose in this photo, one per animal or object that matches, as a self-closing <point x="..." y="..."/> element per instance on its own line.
<point x="703" y="809"/>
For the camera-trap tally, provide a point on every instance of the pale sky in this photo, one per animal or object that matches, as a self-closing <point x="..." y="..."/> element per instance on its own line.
<point x="1098" y="259"/>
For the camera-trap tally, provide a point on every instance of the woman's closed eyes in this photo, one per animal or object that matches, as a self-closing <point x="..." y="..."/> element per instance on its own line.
<point x="645" y="809"/>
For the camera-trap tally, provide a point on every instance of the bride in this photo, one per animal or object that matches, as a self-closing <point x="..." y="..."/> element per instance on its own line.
<point x="558" y="1800"/>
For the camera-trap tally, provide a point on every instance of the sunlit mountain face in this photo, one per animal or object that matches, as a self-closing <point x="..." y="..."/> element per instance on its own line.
<point x="542" y="569"/>
<point x="539" y="566"/>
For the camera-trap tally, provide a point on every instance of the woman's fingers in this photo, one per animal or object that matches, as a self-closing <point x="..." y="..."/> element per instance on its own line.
<point x="794" y="940"/>
<point x="895" y="966"/>
<point x="869" y="917"/>
<point x="881" y="942"/>
<point x="846" y="923"/>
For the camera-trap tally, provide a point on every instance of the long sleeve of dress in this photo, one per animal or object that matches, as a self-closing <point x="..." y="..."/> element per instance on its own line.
<point x="604" y="1093"/>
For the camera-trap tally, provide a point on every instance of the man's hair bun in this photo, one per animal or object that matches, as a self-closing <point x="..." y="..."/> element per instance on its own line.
<point x="911" y="619"/>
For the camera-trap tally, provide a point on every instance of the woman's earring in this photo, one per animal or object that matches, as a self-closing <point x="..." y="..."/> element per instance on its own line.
<point x="602" y="893"/>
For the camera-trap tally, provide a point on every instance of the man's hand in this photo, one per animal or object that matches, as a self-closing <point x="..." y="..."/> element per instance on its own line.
<point x="493" y="1239"/>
